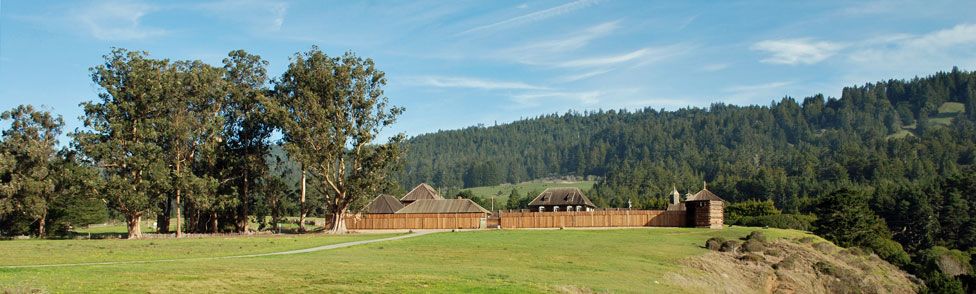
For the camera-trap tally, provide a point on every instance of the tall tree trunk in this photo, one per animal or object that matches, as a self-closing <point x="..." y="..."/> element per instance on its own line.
<point x="179" y="227"/>
<point x="133" y="222"/>
<point x="213" y="215"/>
<point x="40" y="228"/>
<point x="242" y="222"/>
<point x="301" y="219"/>
<point x="338" y="222"/>
<point x="162" y="219"/>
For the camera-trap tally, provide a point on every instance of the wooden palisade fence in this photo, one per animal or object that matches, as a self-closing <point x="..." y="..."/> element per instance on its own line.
<point x="415" y="221"/>
<point x="599" y="218"/>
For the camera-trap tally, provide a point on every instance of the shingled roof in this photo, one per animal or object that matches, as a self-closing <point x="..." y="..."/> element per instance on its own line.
<point x="704" y="195"/>
<point x="443" y="206"/>
<point x="561" y="196"/>
<point x="384" y="204"/>
<point x="422" y="191"/>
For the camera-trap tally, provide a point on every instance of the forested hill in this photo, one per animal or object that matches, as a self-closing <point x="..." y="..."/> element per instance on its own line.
<point x="880" y="135"/>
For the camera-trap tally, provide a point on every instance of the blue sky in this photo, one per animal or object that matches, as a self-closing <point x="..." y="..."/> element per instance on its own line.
<point x="454" y="64"/>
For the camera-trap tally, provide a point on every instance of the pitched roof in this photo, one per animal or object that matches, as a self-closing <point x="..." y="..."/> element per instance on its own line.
<point x="384" y="204"/>
<point x="422" y="191"/>
<point x="562" y="196"/>
<point x="703" y="195"/>
<point x="442" y="206"/>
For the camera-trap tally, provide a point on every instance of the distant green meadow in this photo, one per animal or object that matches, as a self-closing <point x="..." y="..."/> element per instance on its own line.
<point x="507" y="261"/>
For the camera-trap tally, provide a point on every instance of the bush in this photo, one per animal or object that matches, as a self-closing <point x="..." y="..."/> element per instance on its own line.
<point x="774" y="252"/>
<point x="942" y="283"/>
<point x="824" y="247"/>
<point x="757" y="235"/>
<point x="787" y="263"/>
<point x="729" y="246"/>
<point x="714" y="243"/>
<point x="747" y="208"/>
<point x="806" y="240"/>
<point x="890" y="251"/>
<point x="752" y="245"/>
<point x="780" y="221"/>
<point x="751" y="257"/>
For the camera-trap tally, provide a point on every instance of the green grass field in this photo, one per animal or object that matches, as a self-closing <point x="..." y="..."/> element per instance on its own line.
<point x="505" y="189"/>
<point x="507" y="261"/>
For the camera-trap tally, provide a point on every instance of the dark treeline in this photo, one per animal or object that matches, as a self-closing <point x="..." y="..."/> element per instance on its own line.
<point x="184" y="138"/>
<point x="908" y="146"/>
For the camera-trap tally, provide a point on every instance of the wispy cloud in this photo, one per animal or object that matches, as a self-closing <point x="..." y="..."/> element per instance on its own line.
<point x="715" y="67"/>
<point x="116" y="21"/>
<point x="639" y="57"/>
<point x="262" y="15"/>
<point x="532" y="99"/>
<point x="755" y="88"/>
<point x="534" y="16"/>
<point x="796" y="51"/>
<point x="582" y="76"/>
<point x="474" y="83"/>
<point x="906" y="55"/>
<point x="576" y="41"/>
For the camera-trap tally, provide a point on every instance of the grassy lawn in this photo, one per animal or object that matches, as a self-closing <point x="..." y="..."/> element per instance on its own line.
<point x="505" y="189"/>
<point x="26" y="252"/>
<point x="508" y="261"/>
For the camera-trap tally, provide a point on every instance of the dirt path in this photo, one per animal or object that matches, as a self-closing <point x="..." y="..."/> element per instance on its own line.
<point x="313" y="249"/>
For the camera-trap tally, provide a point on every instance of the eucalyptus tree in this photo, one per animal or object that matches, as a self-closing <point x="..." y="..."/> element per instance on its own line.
<point x="28" y="173"/>
<point x="194" y="97"/>
<point x="333" y="110"/>
<point x="123" y="129"/>
<point x="247" y="125"/>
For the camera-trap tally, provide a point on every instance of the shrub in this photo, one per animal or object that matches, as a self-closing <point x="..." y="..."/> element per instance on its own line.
<point x="806" y="240"/>
<point x="780" y="221"/>
<point x="752" y="245"/>
<point x="824" y="247"/>
<point x="729" y="246"/>
<point x="889" y="250"/>
<point x="856" y="251"/>
<point x="747" y="208"/>
<point x="787" y="263"/>
<point x="774" y="252"/>
<point x="826" y="268"/>
<point x="714" y="243"/>
<point x="751" y="257"/>
<point x="757" y="235"/>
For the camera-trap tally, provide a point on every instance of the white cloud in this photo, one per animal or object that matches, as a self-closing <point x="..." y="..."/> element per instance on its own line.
<point x="532" y="99"/>
<point x="116" y="21"/>
<point x="904" y="56"/>
<point x="474" y="83"/>
<point x="578" y="39"/>
<point x="640" y="57"/>
<point x="795" y="51"/>
<point x="261" y="15"/>
<point x="755" y="88"/>
<point x="535" y="16"/>
<point x="582" y="76"/>
<point x="715" y="67"/>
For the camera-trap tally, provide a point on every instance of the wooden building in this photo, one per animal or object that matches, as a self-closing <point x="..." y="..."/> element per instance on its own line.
<point x="443" y="206"/>
<point x="705" y="210"/>
<point x="561" y="199"/>
<point x="422" y="191"/>
<point x="383" y="204"/>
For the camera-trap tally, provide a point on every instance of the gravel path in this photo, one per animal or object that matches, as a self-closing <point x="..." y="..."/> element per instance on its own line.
<point x="313" y="249"/>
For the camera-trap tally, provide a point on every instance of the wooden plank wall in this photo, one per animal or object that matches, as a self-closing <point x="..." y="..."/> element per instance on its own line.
<point x="600" y="218"/>
<point x="415" y="221"/>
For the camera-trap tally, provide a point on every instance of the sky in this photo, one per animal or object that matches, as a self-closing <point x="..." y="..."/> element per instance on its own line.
<point x="454" y="64"/>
